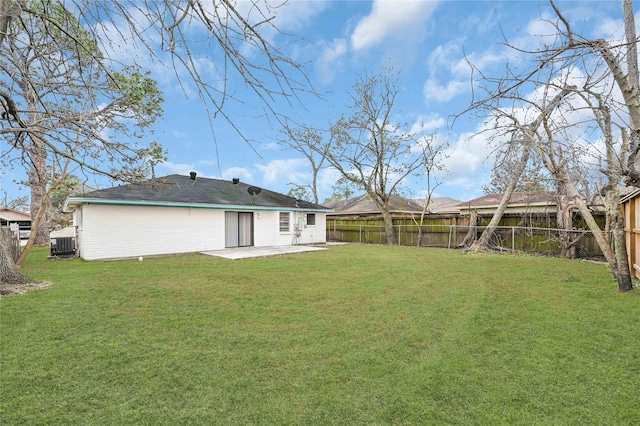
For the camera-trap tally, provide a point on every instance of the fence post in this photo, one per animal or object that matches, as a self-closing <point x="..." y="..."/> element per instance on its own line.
<point x="513" y="238"/>
<point x="360" y="233"/>
<point x="450" y="232"/>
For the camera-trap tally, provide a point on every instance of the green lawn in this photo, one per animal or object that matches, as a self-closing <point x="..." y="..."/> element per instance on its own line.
<point x="352" y="335"/>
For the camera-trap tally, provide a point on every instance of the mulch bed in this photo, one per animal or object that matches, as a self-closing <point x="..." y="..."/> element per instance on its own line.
<point x="17" y="289"/>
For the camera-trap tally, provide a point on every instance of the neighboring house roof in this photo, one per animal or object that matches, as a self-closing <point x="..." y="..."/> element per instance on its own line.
<point x="441" y="205"/>
<point x="520" y="202"/>
<point x="365" y="205"/>
<point x="628" y="193"/>
<point x="516" y="198"/>
<point x="182" y="191"/>
<point x="11" y="215"/>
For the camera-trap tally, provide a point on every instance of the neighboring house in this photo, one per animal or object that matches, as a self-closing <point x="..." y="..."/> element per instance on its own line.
<point x="520" y="203"/>
<point x="364" y="206"/>
<point x="360" y="219"/>
<point x="182" y="214"/>
<point x="9" y="217"/>
<point x="442" y="205"/>
<point x="630" y="204"/>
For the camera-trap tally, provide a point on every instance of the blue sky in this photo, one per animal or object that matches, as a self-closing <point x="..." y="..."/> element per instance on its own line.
<point x="425" y="41"/>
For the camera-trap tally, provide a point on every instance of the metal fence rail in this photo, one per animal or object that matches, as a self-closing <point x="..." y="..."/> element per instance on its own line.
<point x="547" y="241"/>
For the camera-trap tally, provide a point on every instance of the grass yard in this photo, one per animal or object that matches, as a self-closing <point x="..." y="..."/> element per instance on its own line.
<point x="356" y="334"/>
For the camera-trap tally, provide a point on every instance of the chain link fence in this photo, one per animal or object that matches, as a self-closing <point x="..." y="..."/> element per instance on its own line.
<point x="574" y="244"/>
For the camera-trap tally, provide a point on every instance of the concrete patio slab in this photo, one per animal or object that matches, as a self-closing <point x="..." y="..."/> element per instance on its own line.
<point x="248" y="252"/>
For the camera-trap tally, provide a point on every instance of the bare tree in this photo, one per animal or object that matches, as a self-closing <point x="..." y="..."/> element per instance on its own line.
<point x="369" y="149"/>
<point x="522" y="140"/>
<point x="433" y="155"/>
<point x="308" y="142"/>
<point x="19" y="203"/>
<point x="163" y="29"/>
<point x="76" y="115"/>
<point x="343" y="189"/>
<point x="600" y="63"/>
<point x="611" y="190"/>
<point x="572" y="50"/>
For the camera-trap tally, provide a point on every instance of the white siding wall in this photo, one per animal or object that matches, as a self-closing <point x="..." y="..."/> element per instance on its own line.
<point x="267" y="229"/>
<point x="311" y="234"/>
<point x="131" y="231"/>
<point x="108" y="231"/>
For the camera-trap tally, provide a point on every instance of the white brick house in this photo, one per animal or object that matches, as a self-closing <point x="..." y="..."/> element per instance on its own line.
<point x="182" y="214"/>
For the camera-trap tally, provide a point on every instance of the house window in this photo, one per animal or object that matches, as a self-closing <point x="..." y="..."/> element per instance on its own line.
<point x="285" y="222"/>
<point x="311" y="219"/>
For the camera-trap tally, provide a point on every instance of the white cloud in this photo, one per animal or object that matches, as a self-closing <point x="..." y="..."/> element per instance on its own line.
<point x="433" y="91"/>
<point x="284" y="171"/>
<point x="296" y="15"/>
<point x="271" y="146"/>
<point x="392" y="19"/>
<point x="241" y="173"/>
<point x="204" y="168"/>
<point x="326" y="64"/>
<point x="169" y="168"/>
<point x="327" y="178"/>
<point x="427" y="123"/>
<point x="611" y="28"/>
<point x="444" y="54"/>
<point x="482" y="61"/>
<point x="469" y="155"/>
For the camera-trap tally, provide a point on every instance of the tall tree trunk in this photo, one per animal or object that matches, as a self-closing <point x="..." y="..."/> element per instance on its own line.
<point x="483" y="241"/>
<point x="38" y="184"/>
<point x="389" y="230"/>
<point x="563" y="222"/>
<point x="422" y="215"/>
<point x="622" y="272"/>
<point x="613" y="259"/>
<point x="632" y="46"/>
<point x="38" y="178"/>
<point x="471" y="232"/>
<point x="528" y="134"/>
<point x="8" y="270"/>
<point x="633" y="81"/>
<point x="612" y="201"/>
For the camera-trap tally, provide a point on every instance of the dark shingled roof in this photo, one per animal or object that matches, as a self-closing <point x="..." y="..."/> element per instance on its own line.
<point x="181" y="189"/>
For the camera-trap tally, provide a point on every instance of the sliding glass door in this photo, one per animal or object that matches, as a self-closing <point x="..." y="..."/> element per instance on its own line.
<point x="238" y="229"/>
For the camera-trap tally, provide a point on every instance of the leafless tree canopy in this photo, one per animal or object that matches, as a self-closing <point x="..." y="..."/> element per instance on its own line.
<point x="600" y="96"/>
<point x="369" y="148"/>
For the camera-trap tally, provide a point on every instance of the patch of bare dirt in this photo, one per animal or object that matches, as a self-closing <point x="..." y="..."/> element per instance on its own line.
<point x="17" y="289"/>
